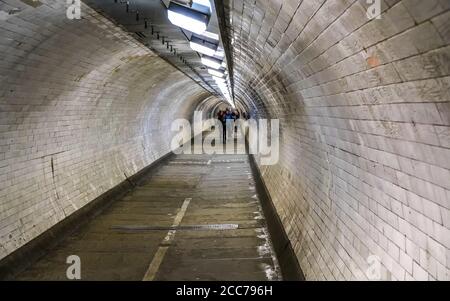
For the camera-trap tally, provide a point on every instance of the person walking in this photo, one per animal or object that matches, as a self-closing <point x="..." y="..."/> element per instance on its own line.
<point x="221" y="117"/>
<point x="229" y="121"/>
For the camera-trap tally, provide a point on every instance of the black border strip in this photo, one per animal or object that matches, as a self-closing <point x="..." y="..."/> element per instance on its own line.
<point x="290" y="268"/>
<point x="29" y="253"/>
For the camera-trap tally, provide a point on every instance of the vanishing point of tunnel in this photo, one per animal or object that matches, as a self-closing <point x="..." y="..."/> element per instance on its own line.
<point x="225" y="140"/>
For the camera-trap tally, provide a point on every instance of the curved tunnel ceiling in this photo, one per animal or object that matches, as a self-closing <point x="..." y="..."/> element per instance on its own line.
<point x="148" y="21"/>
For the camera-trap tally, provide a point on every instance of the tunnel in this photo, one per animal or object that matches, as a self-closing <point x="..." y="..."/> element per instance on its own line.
<point x="357" y="93"/>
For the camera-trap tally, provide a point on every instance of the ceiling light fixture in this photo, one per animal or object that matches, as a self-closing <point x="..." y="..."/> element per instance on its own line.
<point x="211" y="62"/>
<point x="204" y="3"/>
<point x="220" y="52"/>
<point x="203" y="46"/>
<point x="210" y="35"/>
<point x="187" y="18"/>
<point x="217" y="73"/>
<point x="218" y="79"/>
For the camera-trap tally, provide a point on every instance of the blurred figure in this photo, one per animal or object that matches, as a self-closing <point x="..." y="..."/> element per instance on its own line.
<point x="237" y="115"/>
<point x="221" y="117"/>
<point x="229" y="119"/>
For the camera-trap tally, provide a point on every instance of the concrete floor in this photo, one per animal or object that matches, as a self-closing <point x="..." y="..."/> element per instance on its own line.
<point x="132" y="239"/>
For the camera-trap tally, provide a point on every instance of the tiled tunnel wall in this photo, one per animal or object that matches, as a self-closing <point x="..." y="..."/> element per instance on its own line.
<point x="364" y="110"/>
<point x="83" y="105"/>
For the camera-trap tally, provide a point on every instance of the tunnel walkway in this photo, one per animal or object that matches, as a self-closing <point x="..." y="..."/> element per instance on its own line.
<point x="197" y="217"/>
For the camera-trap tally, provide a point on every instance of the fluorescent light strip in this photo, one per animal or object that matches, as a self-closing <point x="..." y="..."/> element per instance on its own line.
<point x="211" y="62"/>
<point x="219" y="81"/>
<point x="215" y="72"/>
<point x="220" y="53"/>
<point x="202" y="49"/>
<point x="210" y="35"/>
<point x="201" y="5"/>
<point x="186" y="22"/>
<point x="203" y="2"/>
<point x="200" y="45"/>
<point x="187" y="18"/>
